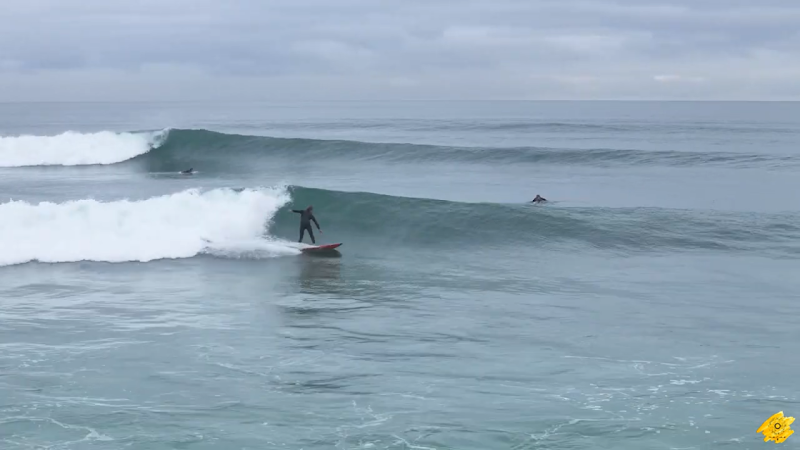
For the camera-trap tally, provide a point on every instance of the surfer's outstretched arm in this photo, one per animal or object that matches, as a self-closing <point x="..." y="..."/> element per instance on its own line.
<point x="297" y="211"/>
<point x="315" y="221"/>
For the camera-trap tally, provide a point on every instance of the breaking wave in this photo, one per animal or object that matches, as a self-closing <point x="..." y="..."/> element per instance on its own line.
<point x="74" y="149"/>
<point x="180" y="225"/>
<point x="176" y="149"/>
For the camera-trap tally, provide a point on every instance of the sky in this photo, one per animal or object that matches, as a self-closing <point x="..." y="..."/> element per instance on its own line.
<point x="144" y="50"/>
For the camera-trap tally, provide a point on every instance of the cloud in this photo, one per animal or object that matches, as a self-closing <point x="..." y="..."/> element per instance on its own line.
<point x="398" y="49"/>
<point x="677" y="79"/>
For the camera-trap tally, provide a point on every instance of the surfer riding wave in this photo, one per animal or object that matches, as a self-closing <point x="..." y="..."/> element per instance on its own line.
<point x="306" y="217"/>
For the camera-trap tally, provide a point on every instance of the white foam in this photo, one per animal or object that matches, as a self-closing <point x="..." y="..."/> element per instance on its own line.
<point x="181" y="225"/>
<point x="74" y="149"/>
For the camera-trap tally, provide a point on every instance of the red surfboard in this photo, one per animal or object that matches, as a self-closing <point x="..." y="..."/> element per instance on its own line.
<point x="321" y="247"/>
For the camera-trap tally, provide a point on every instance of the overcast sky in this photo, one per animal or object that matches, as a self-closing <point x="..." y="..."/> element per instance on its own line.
<point x="404" y="49"/>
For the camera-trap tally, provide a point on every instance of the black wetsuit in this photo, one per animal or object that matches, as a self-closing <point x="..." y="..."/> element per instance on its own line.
<point x="306" y="217"/>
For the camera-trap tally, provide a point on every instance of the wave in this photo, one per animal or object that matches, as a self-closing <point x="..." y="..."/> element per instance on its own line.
<point x="488" y="125"/>
<point x="233" y="152"/>
<point x="258" y="223"/>
<point x="176" y="149"/>
<point x="181" y="225"/>
<point x="73" y="148"/>
<point x="361" y="216"/>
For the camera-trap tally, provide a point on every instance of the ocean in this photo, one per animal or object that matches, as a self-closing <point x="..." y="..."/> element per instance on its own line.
<point x="649" y="304"/>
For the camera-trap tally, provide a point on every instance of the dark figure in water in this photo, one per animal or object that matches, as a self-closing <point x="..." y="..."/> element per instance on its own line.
<point x="538" y="199"/>
<point x="306" y="216"/>
<point x="188" y="172"/>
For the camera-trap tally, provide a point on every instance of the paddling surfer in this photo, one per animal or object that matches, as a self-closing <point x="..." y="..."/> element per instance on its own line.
<point x="306" y="217"/>
<point x="538" y="199"/>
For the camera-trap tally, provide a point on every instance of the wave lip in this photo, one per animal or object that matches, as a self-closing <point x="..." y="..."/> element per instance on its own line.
<point x="74" y="149"/>
<point x="179" y="225"/>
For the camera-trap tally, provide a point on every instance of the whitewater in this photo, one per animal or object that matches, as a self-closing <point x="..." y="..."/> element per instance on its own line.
<point x="74" y="148"/>
<point x="179" y="225"/>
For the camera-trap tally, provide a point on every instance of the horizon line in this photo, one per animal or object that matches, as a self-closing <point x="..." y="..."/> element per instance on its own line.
<point x="411" y="100"/>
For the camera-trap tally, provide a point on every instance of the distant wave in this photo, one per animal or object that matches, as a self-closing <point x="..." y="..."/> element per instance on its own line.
<point x="175" y="149"/>
<point x="73" y="148"/>
<point x="571" y="127"/>
<point x="185" y="148"/>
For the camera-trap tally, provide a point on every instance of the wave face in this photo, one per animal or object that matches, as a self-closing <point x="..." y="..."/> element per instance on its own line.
<point x="438" y="223"/>
<point x="180" y="225"/>
<point x="73" y="149"/>
<point x="219" y="151"/>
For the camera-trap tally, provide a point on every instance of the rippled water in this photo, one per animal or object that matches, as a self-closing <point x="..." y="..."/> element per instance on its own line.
<point x="651" y="304"/>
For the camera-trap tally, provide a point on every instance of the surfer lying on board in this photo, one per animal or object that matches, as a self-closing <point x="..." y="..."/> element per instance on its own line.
<point x="538" y="199"/>
<point x="306" y="216"/>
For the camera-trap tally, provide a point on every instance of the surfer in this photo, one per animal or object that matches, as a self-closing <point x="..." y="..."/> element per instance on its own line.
<point x="306" y="216"/>
<point x="538" y="199"/>
<point x="188" y="171"/>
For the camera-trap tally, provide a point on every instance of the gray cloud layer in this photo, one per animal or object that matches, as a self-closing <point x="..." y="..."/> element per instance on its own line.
<point x="399" y="49"/>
